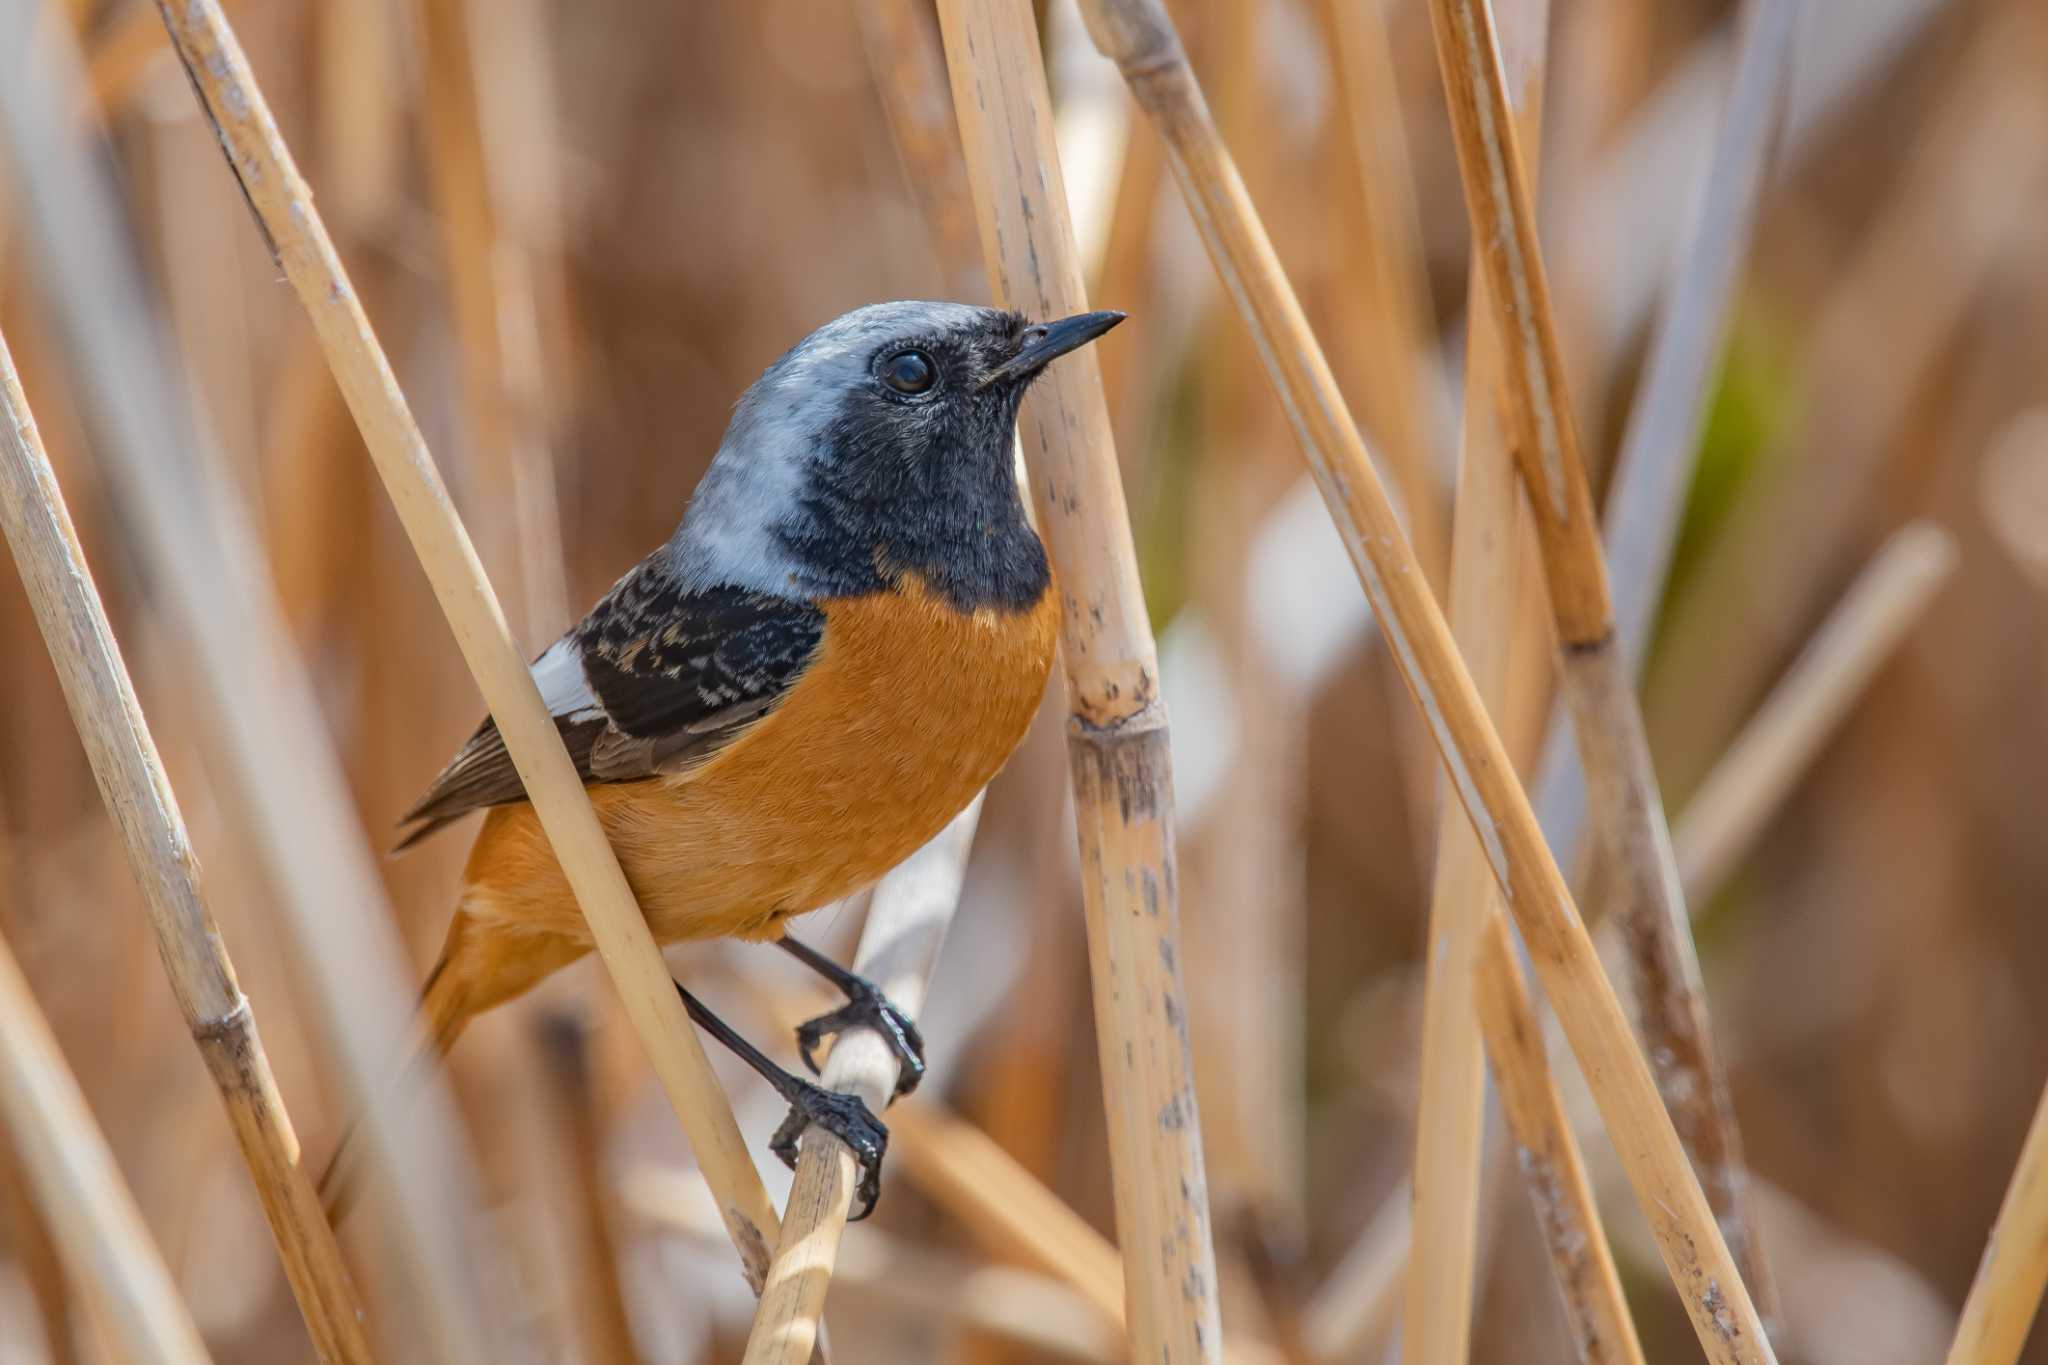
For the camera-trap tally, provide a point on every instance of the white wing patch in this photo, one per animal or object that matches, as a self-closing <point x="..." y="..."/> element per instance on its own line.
<point x="559" y="675"/>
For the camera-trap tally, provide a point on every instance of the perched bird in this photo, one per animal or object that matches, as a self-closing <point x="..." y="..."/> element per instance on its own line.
<point x="840" y="645"/>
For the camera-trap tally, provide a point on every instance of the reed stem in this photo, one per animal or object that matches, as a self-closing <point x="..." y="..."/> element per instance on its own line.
<point x="1117" y="736"/>
<point x="145" y="812"/>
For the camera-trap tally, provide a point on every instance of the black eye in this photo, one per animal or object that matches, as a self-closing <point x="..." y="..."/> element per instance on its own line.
<point x="909" y="372"/>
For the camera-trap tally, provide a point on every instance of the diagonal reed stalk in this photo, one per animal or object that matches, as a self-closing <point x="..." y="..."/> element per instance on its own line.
<point x="899" y="947"/>
<point x="284" y="206"/>
<point x="1117" y="736"/>
<point x="1474" y="984"/>
<point x="277" y="768"/>
<point x="145" y="812"/>
<point x="1140" y="37"/>
<point x="2007" y="1291"/>
<point x="1599" y="687"/>
<point x="78" y="1188"/>
<point x="1748" y="787"/>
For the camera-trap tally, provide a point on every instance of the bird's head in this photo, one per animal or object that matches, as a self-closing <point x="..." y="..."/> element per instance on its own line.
<point x="885" y="432"/>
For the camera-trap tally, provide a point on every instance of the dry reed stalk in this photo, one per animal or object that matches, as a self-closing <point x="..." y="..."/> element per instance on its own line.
<point x="2006" y="1294"/>
<point x="899" y="947"/>
<point x="1140" y="37"/>
<point x="278" y="771"/>
<point x="32" y="1244"/>
<point x="1598" y="685"/>
<point x="1027" y="1307"/>
<point x="1746" y="788"/>
<point x="1654" y="467"/>
<point x="595" y="1291"/>
<point x="1488" y="540"/>
<point x="284" y="205"/>
<point x="1117" y="735"/>
<point x="79" y="1189"/>
<point x="145" y="812"/>
<point x="1473" y="981"/>
<point x="1390" y="234"/>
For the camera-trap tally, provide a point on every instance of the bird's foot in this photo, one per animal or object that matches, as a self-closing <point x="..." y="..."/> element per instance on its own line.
<point x="846" y="1117"/>
<point x="866" y="1006"/>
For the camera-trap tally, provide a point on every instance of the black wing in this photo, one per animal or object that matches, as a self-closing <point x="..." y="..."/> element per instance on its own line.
<point x="654" y="680"/>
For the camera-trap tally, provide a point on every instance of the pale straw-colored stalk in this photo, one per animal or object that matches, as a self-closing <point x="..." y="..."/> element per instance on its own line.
<point x="1117" y="736"/>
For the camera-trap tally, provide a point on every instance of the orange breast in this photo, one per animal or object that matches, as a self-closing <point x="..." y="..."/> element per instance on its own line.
<point x="909" y="710"/>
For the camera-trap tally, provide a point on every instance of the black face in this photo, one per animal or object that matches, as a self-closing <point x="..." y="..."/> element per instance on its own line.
<point x="917" y="474"/>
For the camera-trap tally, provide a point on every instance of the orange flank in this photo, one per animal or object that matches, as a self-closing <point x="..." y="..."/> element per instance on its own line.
<point x="909" y="709"/>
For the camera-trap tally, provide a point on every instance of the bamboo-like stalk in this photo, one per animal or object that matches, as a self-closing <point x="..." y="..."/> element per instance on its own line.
<point x="1628" y="809"/>
<point x="79" y="1189"/>
<point x="1140" y="37"/>
<point x="899" y="947"/>
<point x="1746" y="788"/>
<point x="145" y="812"/>
<point x="1473" y="981"/>
<point x="1117" y="736"/>
<point x="2007" y="1291"/>
<point x="284" y="205"/>
<point x="1488" y="527"/>
<point x="277" y="768"/>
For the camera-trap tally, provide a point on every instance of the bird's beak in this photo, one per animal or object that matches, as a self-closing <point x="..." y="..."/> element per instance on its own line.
<point x="1045" y="342"/>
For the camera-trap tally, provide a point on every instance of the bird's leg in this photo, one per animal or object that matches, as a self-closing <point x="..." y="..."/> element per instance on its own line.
<point x="846" y="1117"/>
<point x="865" y="1004"/>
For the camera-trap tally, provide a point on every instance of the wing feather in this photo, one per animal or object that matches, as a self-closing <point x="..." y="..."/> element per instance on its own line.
<point x="655" y="680"/>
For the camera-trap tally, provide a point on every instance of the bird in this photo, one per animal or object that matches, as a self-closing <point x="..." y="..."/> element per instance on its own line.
<point x="840" y="645"/>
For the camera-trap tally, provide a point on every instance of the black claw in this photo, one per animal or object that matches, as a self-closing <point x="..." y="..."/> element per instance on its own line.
<point x="845" y="1117"/>
<point x="868" y="1007"/>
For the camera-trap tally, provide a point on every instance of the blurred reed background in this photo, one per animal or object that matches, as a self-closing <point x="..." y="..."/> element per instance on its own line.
<point x="582" y="229"/>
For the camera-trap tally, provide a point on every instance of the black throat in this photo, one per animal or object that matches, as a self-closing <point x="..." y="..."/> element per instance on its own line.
<point x="926" y="493"/>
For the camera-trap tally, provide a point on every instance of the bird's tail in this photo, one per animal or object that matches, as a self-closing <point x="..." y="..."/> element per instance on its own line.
<point x="444" y="1009"/>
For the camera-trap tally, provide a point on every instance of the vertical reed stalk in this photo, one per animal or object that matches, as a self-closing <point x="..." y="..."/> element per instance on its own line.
<point x="1140" y="37"/>
<point x="1122" y="778"/>
<point x="1473" y="981"/>
<point x="1597" y="681"/>
<point x="79" y="1189"/>
<point x="284" y="205"/>
<point x="899" y="947"/>
<point x="279" y="773"/>
<point x="145" y="812"/>
<point x="42" y="1265"/>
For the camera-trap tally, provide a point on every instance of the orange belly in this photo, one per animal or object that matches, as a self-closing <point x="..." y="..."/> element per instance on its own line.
<point x="910" y="708"/>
